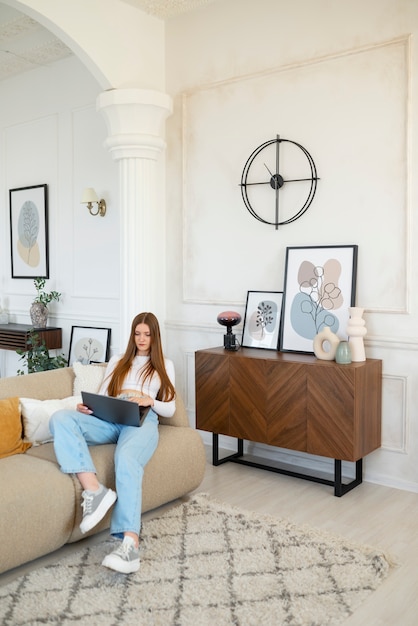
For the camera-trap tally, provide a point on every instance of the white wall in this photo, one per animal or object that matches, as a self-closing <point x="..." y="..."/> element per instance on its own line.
<point x="341" y="79"/>
<point x="51" y="133"/>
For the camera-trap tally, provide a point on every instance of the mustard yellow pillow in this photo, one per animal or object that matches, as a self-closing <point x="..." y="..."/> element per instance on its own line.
<point x="11" y="428"/>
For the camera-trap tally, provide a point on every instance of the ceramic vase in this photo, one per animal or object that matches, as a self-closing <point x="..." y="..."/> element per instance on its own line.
<point x="343" y="353"/>
<point x="38" y="315"/>
<point x="325" y="338"/>
<point x="356" y="330"/>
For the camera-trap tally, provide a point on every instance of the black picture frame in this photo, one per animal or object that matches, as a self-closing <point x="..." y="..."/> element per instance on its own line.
<point x="319" y="288"/>
<point x="29" y="250"/>
<point x="89" y="344"/>
<point x="263" y="311"/>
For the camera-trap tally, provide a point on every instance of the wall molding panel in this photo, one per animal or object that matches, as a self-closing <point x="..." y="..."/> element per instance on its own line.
<point x="394" y="410"/>
<point x="371" y="73"/>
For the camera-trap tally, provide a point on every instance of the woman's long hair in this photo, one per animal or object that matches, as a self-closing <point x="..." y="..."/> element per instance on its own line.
<point x="155" y="364"/>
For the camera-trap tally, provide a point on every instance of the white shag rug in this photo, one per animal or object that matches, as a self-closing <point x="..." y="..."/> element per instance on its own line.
<point x="204" y="563"/>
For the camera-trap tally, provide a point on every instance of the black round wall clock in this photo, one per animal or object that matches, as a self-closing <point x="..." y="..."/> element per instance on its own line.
<point x="279" y="177"/>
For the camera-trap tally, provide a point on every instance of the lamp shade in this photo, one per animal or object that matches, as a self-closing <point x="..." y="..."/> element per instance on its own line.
<point x="89" y="195"/>
<point x="228" y="318"/>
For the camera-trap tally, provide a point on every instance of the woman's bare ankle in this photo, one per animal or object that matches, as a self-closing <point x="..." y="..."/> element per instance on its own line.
<point x="88" y="481"/>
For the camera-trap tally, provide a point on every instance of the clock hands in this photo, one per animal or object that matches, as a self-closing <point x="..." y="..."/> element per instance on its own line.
<point x="278" y="177"/>
<point x="271" y="174"/>
<point x="295" y="180"/>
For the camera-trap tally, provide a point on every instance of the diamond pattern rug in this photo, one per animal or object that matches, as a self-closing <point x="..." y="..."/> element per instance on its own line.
<point x="204" y="563"/>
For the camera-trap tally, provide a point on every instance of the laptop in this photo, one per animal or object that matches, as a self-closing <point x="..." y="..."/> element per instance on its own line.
<point x="115" y="410"/>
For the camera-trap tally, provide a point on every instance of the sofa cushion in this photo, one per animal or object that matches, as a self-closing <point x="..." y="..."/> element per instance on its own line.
<point x="11" y="441"/>
<point x="42" y="385"/>
<point x="87" y="377"/>
<point x="37" y="413"/>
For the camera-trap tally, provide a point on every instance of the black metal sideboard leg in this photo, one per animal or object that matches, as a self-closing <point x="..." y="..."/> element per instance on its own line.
<point x="339" y="488"/>
<point x="215" y="450"/>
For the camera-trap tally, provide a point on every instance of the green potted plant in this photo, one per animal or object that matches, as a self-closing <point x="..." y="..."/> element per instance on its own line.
<point x="36" y="357"/>
<point x="39" y="309"/>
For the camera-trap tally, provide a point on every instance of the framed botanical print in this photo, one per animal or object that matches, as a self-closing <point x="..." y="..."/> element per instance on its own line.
<point x="89" y="345"/>
<point x="262" y="319"/>
<point x="319" y="287"/>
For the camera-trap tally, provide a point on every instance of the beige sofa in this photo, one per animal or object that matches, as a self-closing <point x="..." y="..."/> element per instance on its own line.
<point x="40" y="508"/>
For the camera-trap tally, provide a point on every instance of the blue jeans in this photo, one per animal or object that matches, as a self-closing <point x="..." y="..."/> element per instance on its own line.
<point x="74" y="431"/>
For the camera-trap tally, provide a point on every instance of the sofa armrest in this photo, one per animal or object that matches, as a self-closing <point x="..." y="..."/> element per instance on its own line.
<point x="180" y="417"/>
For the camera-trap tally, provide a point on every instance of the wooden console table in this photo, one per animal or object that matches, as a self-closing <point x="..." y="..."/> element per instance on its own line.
<point x="15" y="336"/>
<point x="292" y="401"/>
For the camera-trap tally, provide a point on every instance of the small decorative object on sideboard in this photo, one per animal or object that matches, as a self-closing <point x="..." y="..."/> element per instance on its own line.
<point x="39" y="309"/>
<point x="325" y="338"/>
<point x="356" y="331"/>
<point x="343" y="353"/>
<point x="229" y="319"/>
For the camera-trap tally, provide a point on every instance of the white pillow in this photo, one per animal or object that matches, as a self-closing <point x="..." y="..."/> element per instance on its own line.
<point x="87" y="377"/>
<point x="36" y="415"/>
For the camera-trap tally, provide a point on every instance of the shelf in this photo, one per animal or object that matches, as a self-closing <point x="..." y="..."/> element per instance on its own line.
<point x="15" y="336"/>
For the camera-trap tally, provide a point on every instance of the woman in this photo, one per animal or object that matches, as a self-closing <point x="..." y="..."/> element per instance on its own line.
<point x="144" y="376"/>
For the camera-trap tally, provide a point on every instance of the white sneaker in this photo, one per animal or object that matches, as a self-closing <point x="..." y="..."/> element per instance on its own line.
<point x="95" y="506"/>
<point x="124" y="559"/>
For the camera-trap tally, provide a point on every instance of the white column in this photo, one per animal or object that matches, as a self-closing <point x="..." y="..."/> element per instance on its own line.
<point x="135" y="119"/>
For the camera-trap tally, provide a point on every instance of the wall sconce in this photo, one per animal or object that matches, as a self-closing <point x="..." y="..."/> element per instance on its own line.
<point x="89" y="197"/>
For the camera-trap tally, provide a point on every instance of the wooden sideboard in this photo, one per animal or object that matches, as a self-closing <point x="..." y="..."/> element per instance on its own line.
<point x="292" y="401"/>
<point x="15" y="336"/>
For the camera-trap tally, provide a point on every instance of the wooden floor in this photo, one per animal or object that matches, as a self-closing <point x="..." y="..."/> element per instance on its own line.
<point x="371" y="514"/>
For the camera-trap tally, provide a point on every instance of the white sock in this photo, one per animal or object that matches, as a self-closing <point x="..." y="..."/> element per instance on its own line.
<point x="96" y="493"/>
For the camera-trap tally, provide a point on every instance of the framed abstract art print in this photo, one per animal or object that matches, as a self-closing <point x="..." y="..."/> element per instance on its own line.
<point x="29" y="232"/>
<point x="319" y="287"/>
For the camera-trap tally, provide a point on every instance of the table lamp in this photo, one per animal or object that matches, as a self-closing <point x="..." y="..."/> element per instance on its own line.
<point x="229" y="319"/>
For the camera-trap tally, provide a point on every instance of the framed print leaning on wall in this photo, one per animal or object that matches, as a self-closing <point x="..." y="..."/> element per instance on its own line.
<point x="262" y="319"/>
<point x="320" y="285"/>
<point x="29" y="232"/>
<point x="89" y="345"/>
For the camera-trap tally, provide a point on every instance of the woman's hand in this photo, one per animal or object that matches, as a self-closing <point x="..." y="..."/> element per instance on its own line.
<point x="142" y="400"/>
<point x="82" y="408"/>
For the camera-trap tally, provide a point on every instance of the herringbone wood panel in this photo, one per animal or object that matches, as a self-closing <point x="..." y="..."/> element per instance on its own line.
<point x="286" y="392"/>
<point x="344" y="415"/>
<point x="248" y="399"/>
<point x="331" y="413"/>
<point x="212" y="393"/>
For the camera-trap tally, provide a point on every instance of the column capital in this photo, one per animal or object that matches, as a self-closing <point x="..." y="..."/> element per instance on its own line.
<point x="135" y="121"/>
